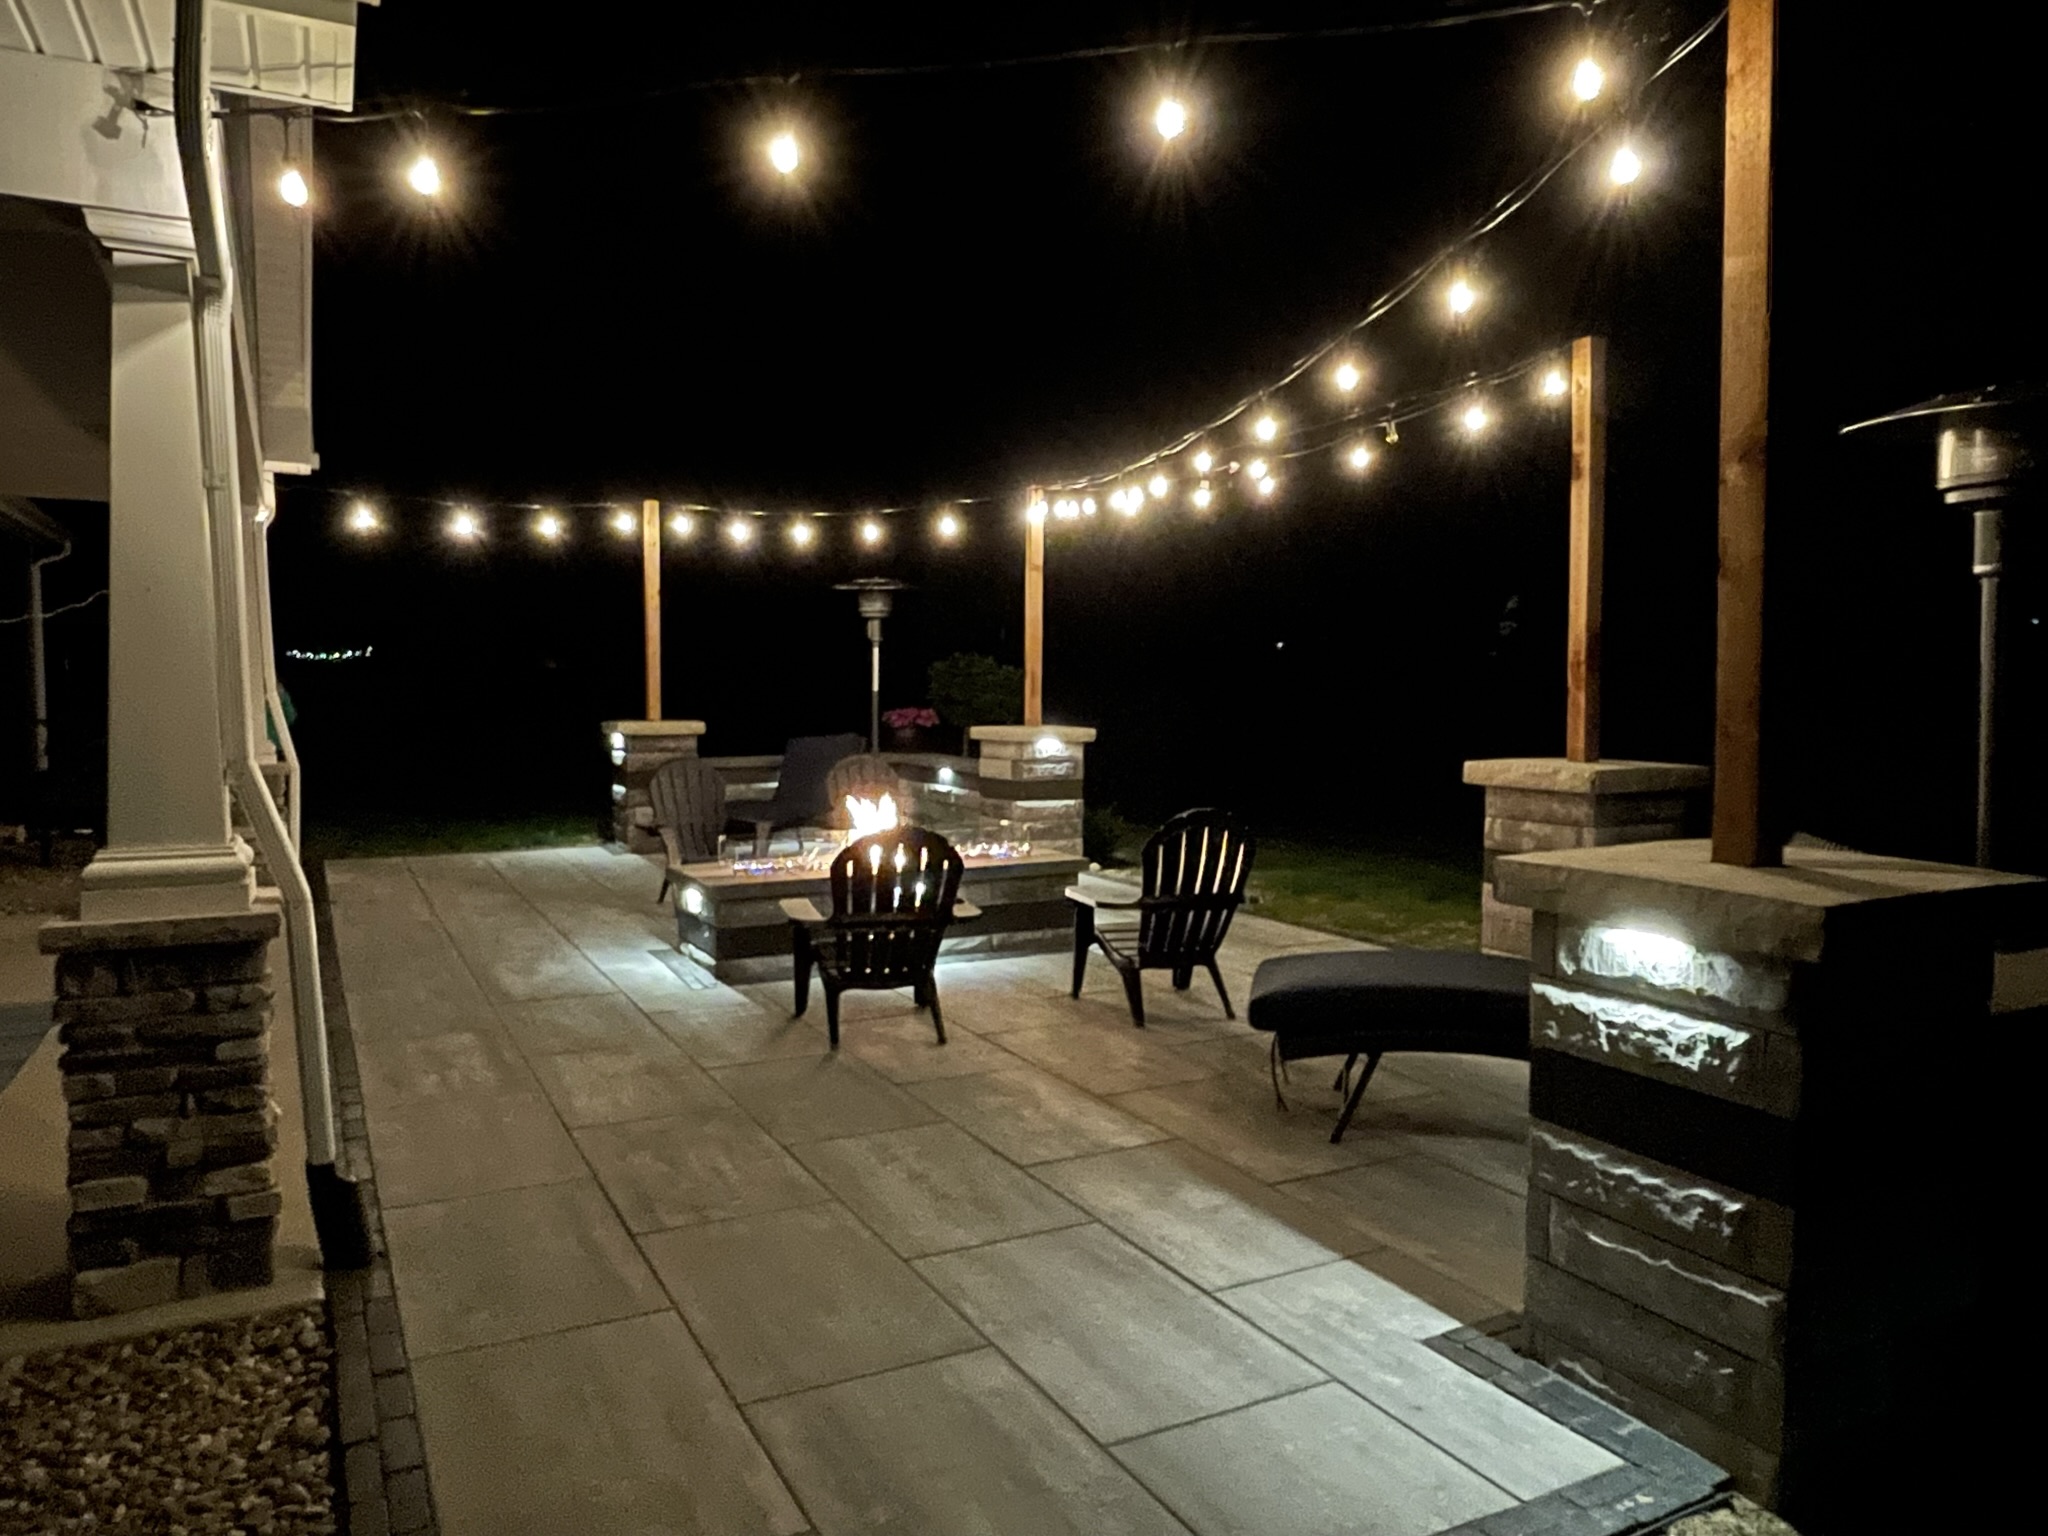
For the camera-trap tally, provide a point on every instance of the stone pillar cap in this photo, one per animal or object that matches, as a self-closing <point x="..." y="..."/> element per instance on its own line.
<point x="1559" y="775"/>
<point x="1069" y="735"/>
<point x="75" y="936"/>
<point x="653" y="727"/>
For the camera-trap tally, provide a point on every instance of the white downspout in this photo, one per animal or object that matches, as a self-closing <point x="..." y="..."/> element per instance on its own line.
<point x="337" y="1207"/>
<point x="256" y="556"/>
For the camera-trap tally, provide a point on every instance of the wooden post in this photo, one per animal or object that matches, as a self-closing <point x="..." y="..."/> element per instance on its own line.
<point x="1588" y="553"/>
<point x="1741" y="833"/>
<point x="1034" y="613"/>
<point x="650" y="596"/>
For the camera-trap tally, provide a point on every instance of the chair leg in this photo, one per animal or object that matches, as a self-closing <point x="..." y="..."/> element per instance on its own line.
<point x="931" y="996"/>
<point x="832" y="1013"/>
<point x="1351" y="1104"/>
<point x="661" y="895"/>
<point x="1273" y="1066"/>
<point x="1183" y="977"/>
<point x="802" y="958"/>
<point x="1344" y="1073"/>
<point x="764" y="834"/>
<point x="1221" y="990"/>
<point x="1134" y="990"/>
<point x="1084" y="940"/>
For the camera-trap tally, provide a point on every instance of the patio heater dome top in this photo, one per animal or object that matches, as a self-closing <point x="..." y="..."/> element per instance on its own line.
<point x="876" y="594"/>
<point x="1983" y="437"/>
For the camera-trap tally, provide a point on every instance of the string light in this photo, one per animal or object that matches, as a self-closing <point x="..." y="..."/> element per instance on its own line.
<point x="1159" y="487"/>
<point x="362" y="518"/>
<point x="1133" y="503"/>
<point x="424" y="176"/>
<point x="870" y="532"/>
<point x="1202" y="497"/>
<point x="740" y="531"/>
<point x="1555" y="383"/>
<point x="1460" y="296"/>
<point x="1393" y="433"/>
<point x="1266" y="428"/>
<point x="1359" y="456"/>
<point x="1256" y="469"/>
<point x="784" y="153"/>
<point x="948" y="526"/>
<point x="548" y="526"/>
<point x="1035" y="512"/>
<point x="465" y="525"/>
<point x="1117" y="498"/>
<point x="291" y="186"/>
<point x="801" y="533"/>
<point x="1346" y="376"/>
<point x="682" y="525"/>
<point x="1171" y="118"/>
<point x="1266" y="485"/>
<point x="624" y="522"/>
<point x="1475" y="418"/>
<point x="1087" y="506"/>
<point x="1204" y="461"/>
<point x="1588" y="79"/>
<point x="1625" y="167"/>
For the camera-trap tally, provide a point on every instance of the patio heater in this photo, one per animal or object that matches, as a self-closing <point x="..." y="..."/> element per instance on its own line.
<point x="1984" y="461"/>
<point x="876" y="596"/>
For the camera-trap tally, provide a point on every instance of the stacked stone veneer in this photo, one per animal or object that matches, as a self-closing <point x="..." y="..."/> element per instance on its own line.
<point x="1539" y="804"/>
<point x="1752" y="1095"/>
<point x="1031" y="782"/>
<point x="634" y="749"/>
<point x="166" y="1077"/>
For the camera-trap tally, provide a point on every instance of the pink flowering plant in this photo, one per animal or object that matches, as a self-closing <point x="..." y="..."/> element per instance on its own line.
<point x="910" y="719"/>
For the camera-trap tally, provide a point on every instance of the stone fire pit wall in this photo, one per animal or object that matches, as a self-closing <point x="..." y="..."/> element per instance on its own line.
<point x="635" y="748"/>
<point x="165" y="1026"/>
<point x="1756" y="1104"/>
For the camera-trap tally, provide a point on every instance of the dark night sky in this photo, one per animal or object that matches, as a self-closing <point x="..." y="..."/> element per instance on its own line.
<point x="989" y="280"/>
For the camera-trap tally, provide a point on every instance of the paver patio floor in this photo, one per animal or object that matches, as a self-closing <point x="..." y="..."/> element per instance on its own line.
<point x="665" y="1263"/>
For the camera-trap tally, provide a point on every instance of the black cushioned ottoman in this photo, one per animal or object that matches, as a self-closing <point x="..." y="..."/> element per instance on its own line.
<point x="1354" y="1003"/>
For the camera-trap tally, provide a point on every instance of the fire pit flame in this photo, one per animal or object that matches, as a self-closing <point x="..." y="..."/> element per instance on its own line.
<point x="871" y="816"/>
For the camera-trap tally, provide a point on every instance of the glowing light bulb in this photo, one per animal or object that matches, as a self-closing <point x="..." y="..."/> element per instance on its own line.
<point x="1159" y="486"/>
<point x="1171" y="118"/>
<point x="784" y="153"/>
<point x="1036" y="511"/>
<point x="624" y="522"/>
<point x="1588" y="79"/>
<point x="1266" y="485"/>
<point x="1346" y="376"/>
<point x="1625" y="167"/>
<point x="548" y="526"/>
<point x="871" y="532"/>
<point x="465" y="524"/>
<point x="1204" y="461"/>
<point x="1359" y="456"/>
<point x="1134" y="502"/>
<point x="1460" y="296"/>
<point x="1087" y="506"/>
<point x="1256" y="469"/>
<point x="1066" y="509"/>
<point x="1116" y="499"/>
<point x="291" y="186"/>
<point x="1265" y="429"/>
<point x="424" y="176"/>
<point x="1202" y="497"/>
<point x="1475" y="418"/>
<point x="682" y="525"/>
<point x="740" y="531"/>
<point x="801" y="533"/>
<point x="1555" y="383"/>
<point x="949" y="526"/>
<point x="362" y="518"/>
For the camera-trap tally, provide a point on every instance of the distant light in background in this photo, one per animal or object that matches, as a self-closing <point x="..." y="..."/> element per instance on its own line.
<point x="682" y="525"/>
<point x="1625" y="167"/>
<point x="1359" y="456"/>
<point x="1171" y="118"/>
<point x="1204" y="461"/>
<point x="362" y="518"/>
<point x="291" y="186"/>
<point x="1588" y="79"/>
<point x="740" y="531"/>
<point x="784" y="153"/>
<point x="548" y="526"/>
<point x="424" y="176"/>
<point x="1461" y="296"/>
<point x="1159" y="486"/>
<point x="1475" y="418"/>
<point x="948" y="526"/>
<point x="1346" y="376"/>
<point x="801" y="533"/>
<point x="466" y="525"/>
<point x="1202" y="497"/>
<point x="1555" y="383"/>
<point x="624" y="522"/>
<point x="1266" y="428"/>
<point x="871" y="532"/>
<point x="1256" y="469"/>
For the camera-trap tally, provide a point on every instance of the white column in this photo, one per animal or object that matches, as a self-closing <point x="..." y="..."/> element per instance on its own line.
<point x="170" y="849"/>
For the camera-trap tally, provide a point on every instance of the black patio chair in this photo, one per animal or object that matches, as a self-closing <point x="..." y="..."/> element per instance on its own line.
<point x="689" y="813"/>
<point x="894" y="894"/>
<point x="1195" y="868"/>
<point x="799" y="798"/>
<point x="867" y="775"/>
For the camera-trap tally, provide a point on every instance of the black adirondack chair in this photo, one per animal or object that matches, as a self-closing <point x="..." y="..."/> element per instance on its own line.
<point x="894" y="894"/>
<point x="689" y="813"/>
<point x="867" y="775"/>
<point x="799" y="798"/>
<point x="1195" y="868"/>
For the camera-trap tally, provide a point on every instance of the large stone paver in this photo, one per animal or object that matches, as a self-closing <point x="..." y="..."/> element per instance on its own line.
<point x="1032" y="1117"/>
<point x="439" y="1149"/>
<point x="709" y="1163"/>
<point x="811" y="1098"/>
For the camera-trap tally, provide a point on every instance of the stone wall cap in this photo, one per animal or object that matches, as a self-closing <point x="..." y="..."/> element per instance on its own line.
<point x="653" y="727"/>
<point x="72" y="936"/>
<point x="1617" y="776"/>
<point x="1786" y="913"/>
<point x="1071" y="735"/>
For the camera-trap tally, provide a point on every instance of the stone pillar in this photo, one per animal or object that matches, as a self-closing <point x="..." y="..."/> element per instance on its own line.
<point x="170" y="850"/>
<point x="1535" y="804"/>
<point x="635" y="748"/>
<point x="1031" y="783"/>
<point x="1760" y="1200"/>
<point x="165" y="1025"/>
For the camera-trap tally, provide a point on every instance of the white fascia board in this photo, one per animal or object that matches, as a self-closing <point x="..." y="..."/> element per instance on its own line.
<point x="64" y="140"/>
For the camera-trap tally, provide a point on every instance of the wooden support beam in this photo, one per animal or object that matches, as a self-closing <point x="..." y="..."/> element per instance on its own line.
<point x="650" y="596"/>
<point x="1588" y="549"/>
<point x="1742" y="834"/>
<point x="1034" y="614"/>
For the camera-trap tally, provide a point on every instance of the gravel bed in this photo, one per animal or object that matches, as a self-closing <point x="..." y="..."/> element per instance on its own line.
<point x="220" y="1430"/>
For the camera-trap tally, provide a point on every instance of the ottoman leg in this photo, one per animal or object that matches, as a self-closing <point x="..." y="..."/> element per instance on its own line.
<point x="1372" y="1060"/>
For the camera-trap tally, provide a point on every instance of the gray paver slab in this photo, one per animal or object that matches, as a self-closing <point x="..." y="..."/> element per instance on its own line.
<point x="1107" y="1058"/>
<point x="707" y="1164"/>
<point x="934" y="1187"/>
<point x="1115" y="1338"/>
<point x="602" y="1087"/>
<point x="811" y="1098"/>
<point x="618" y="1427"/>
<point x="1031" y="1116"/>
<point x="440" y="1149"/>
<point x="402" y="1069"/>
<point x="606" y="1021"/>
<point x="960" y="1445"/>
<point x="1236" y="1119"/>
<point x="1461" y="1225"/>
<point x="800" y="1298"/>
<point x="1318" y="1463"/>
<point x="904" y="1048"/>
<point x="513" y="1264"/>
<point x="731" y="1028"/>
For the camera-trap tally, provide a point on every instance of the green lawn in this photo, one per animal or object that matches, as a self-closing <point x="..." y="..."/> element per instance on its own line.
<point x="370" y="836"/>
<point x="1429" y="902"/>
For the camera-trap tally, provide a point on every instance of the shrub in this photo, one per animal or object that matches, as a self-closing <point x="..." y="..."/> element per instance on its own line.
<point x="1109" y="837"/>
<point x="969" y="689"/>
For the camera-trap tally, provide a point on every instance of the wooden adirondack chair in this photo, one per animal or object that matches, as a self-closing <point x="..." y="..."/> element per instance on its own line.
<point x="689" y="813"/>
<point x="893" y="896"/>
<point x="1195" y="868"/>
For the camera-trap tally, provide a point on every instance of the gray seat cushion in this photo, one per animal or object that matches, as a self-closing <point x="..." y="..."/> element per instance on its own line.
<point x="1370" y="1001"/>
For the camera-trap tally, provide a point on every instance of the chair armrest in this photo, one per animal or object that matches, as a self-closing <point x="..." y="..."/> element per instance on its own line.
<point x="801" y="909"/>
<point x="965" y="911"/>
<point x="1098" y="899"/>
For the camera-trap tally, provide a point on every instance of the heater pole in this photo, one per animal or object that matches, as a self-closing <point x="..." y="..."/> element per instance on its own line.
<point x="650" y="597"/>
<point x="1034" y="614"/>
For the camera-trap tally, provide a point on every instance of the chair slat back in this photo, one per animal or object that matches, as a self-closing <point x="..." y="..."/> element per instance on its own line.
<point x="1195" y="869"/>
<point x="867" y="775"/>
<point x="892" y="897"/>
<point x="689" y="798"/>
<point x="806" y="760"/>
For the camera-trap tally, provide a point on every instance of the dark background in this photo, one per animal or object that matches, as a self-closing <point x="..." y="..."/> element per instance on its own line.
<point x="988" y="279"/>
